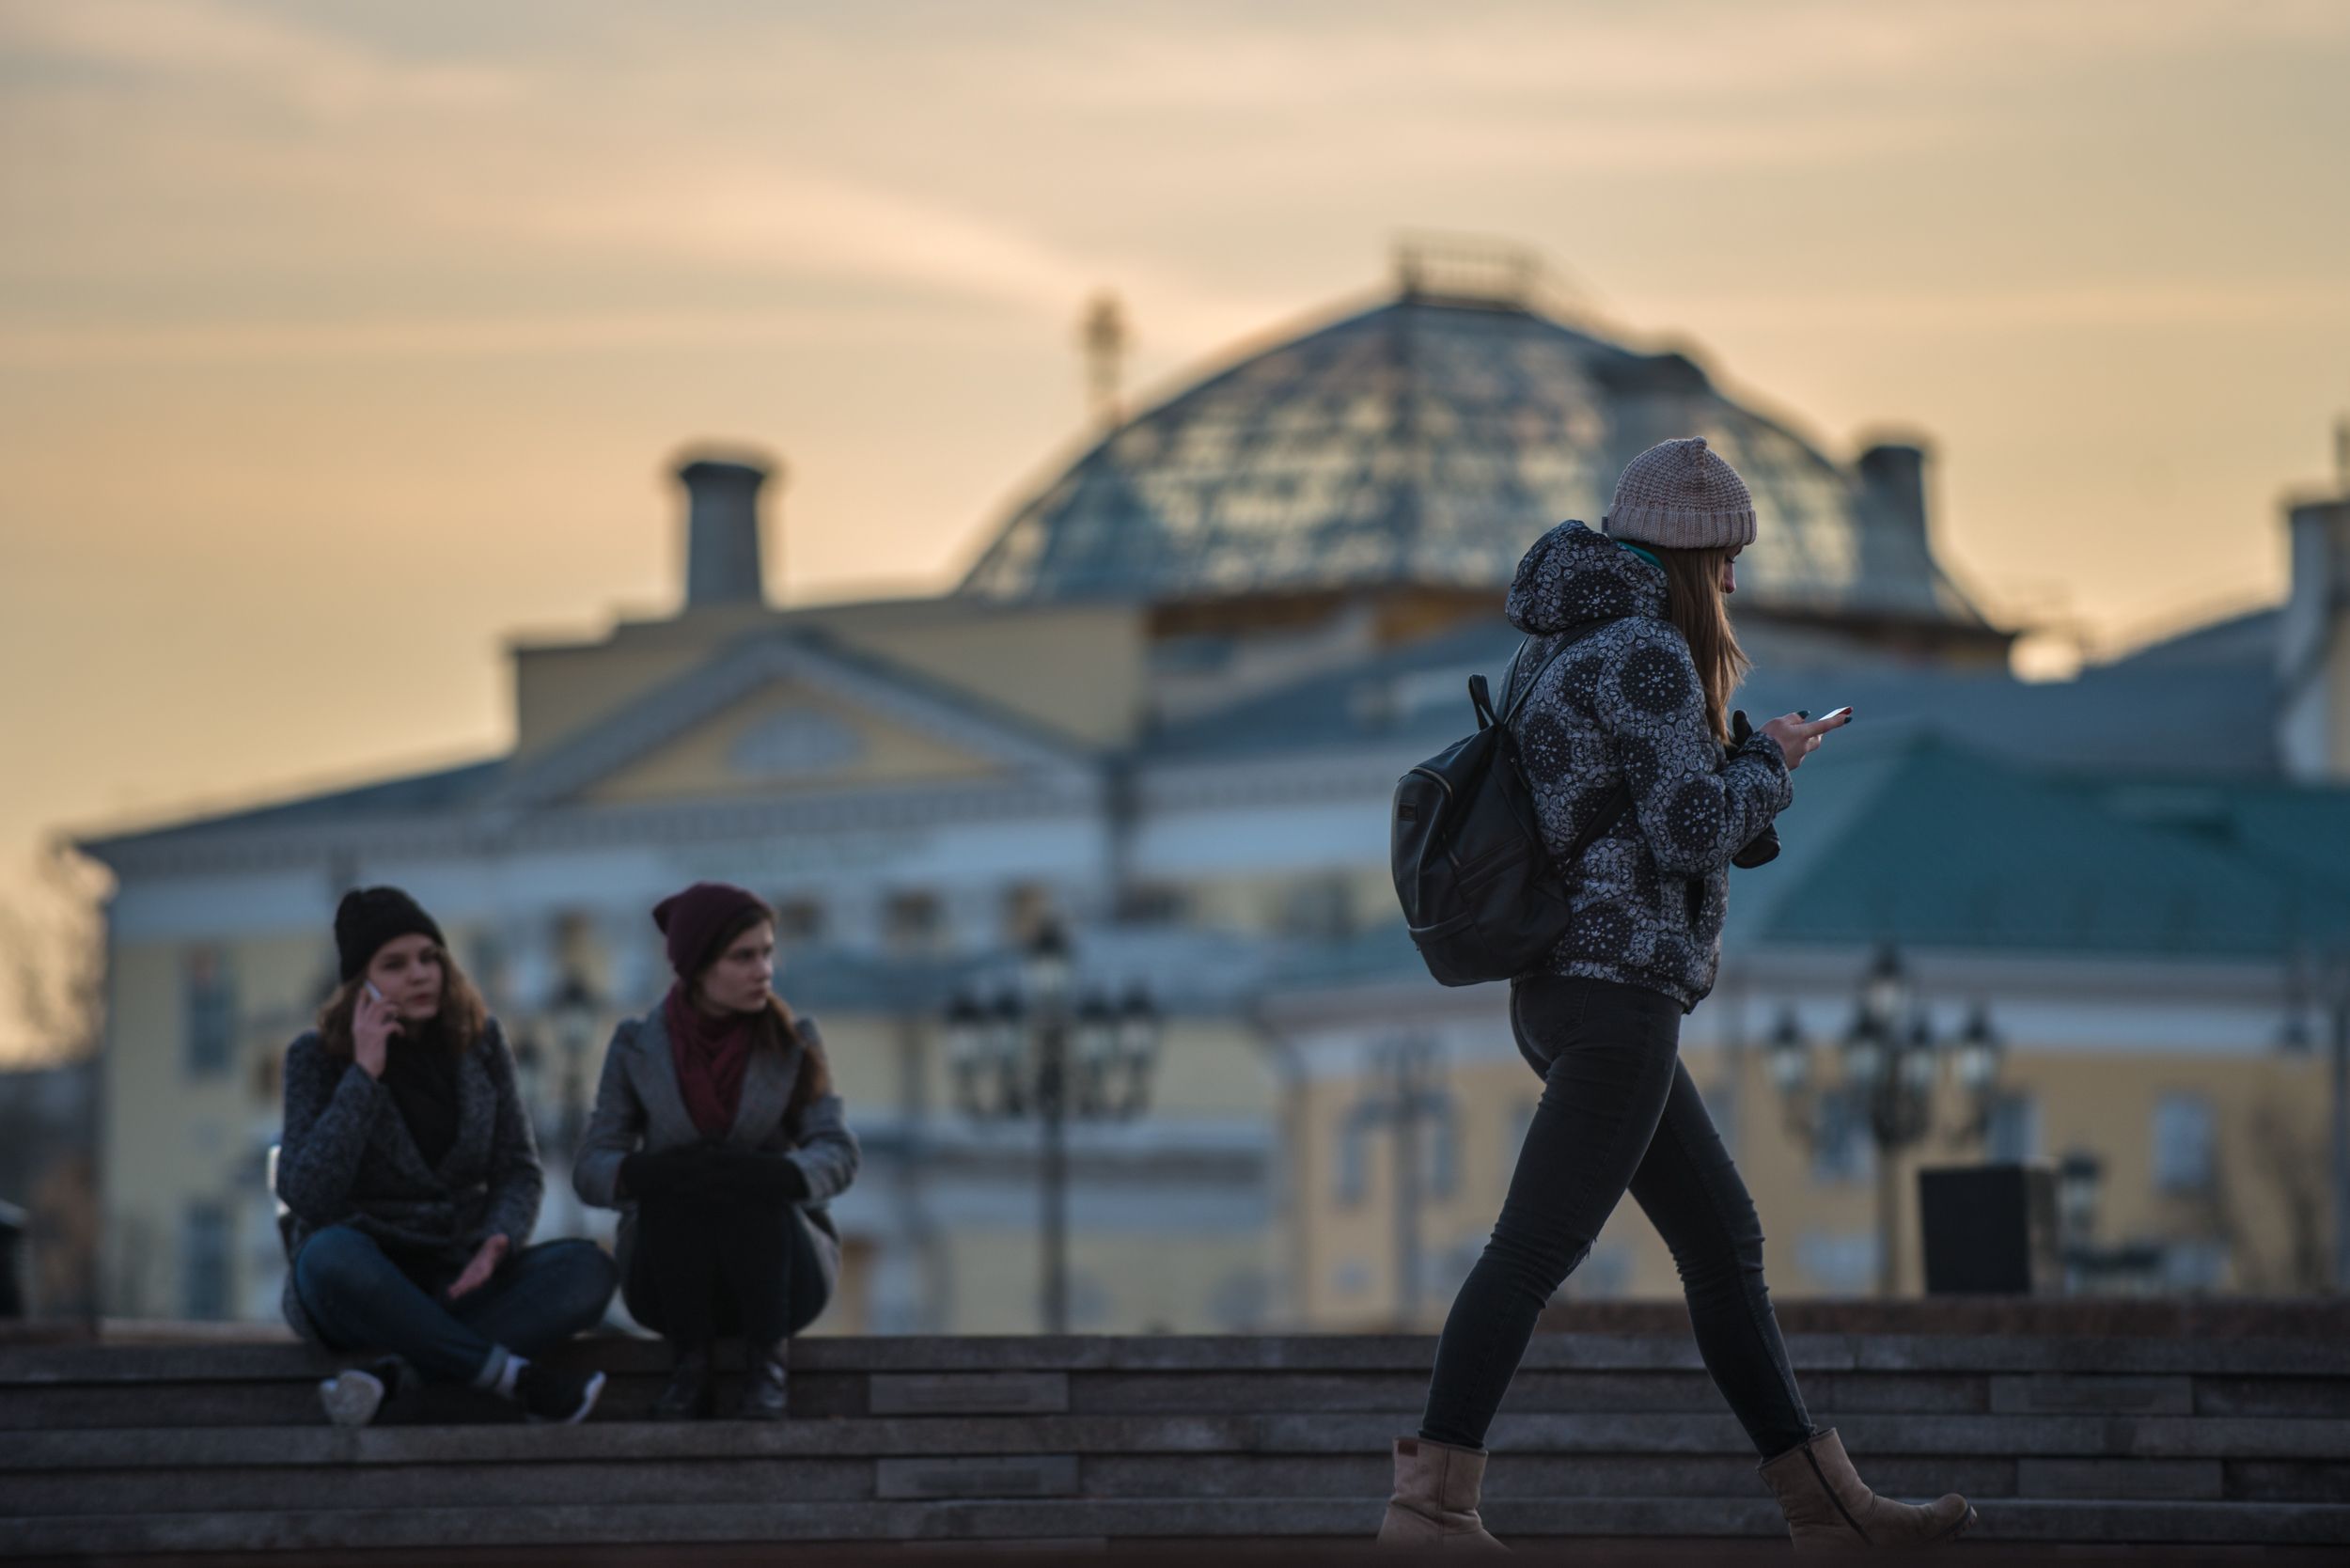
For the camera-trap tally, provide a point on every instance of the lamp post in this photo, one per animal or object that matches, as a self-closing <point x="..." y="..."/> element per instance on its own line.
<point x="1031" y="1052"/>
<point x="2326" y="984"/>
<point x="1893" y="1062"/>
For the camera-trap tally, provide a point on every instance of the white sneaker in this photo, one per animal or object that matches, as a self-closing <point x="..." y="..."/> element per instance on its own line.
<point x="352" y="1397"/>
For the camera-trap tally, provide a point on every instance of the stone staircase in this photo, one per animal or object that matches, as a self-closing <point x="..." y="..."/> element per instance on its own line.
<point x="112" y="1448"/>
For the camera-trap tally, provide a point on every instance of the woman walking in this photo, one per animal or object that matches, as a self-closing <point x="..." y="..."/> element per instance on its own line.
<point x="1642" y="702"/>
<point x="718" y="1137"/>
<point x="412" y="1183"/>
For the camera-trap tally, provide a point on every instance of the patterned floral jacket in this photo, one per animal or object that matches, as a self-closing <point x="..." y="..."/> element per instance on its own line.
<point x="1625" y="703"/>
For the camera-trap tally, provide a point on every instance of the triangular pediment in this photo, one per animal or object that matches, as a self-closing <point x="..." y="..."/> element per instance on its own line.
<point x="782" y="715"/>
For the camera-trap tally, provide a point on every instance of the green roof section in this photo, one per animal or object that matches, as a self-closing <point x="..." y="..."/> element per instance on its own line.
<point x="1928" y="844"/>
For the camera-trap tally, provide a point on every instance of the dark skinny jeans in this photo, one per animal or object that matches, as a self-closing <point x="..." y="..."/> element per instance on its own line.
<point x="1617" y="1113"/>
<point x="360" y="1298"/>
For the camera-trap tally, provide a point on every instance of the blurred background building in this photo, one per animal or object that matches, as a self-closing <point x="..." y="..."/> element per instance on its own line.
<point x="2101" y="919"/>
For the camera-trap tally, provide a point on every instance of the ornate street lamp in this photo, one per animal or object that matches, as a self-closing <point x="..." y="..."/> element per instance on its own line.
<point x="1893" y="1064"/>
<point x="1033" y="1052"/>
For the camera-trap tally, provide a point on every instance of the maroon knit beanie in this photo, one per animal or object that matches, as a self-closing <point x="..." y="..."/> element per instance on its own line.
<point x="695" y="919"/>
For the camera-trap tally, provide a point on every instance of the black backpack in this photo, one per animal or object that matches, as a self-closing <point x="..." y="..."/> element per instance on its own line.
<point x="1479" y="892"/>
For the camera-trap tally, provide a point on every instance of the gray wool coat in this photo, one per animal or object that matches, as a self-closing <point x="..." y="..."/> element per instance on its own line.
<point x="640" y="1108"/>
<point x="345" y="1158"/>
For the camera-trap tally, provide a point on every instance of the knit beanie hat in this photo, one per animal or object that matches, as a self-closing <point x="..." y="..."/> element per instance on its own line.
<point x="370" y="916"/>
<point x="694" y="920"/>
<point x="1677" y="495"/>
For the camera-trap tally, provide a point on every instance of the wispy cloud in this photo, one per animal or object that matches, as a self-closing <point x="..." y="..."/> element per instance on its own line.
<point x="221" y="45"/>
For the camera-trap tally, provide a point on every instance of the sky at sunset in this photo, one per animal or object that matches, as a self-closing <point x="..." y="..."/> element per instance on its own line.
<point x="340" y="342"/>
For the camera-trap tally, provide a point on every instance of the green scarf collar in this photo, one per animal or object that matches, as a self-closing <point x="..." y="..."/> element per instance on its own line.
<point x="1627" y="544"/>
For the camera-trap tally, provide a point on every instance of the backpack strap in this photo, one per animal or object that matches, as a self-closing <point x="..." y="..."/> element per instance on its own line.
<point x="1512" y="698"/>
<point x="1611" y="811"/>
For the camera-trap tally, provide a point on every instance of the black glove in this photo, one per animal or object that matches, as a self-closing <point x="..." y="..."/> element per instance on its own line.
<point x="1763" y="847"/>
<point x="682" y="1171"/>
<point x="751" y="1173"/>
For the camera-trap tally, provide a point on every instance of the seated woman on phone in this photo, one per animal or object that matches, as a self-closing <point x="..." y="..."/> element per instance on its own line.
<point x="412" y="1183"/>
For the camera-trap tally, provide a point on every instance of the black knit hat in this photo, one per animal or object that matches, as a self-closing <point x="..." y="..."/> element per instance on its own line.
<point x="370" y="916"/>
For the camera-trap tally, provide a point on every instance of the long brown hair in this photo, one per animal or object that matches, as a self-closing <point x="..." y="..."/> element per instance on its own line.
<point x="1693" y="599"/>
<point x="776" y="1029"/>
<point x="455" y="1029"/>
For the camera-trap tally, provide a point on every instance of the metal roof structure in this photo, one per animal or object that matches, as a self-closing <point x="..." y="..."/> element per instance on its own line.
<point x="1426" y="441"/>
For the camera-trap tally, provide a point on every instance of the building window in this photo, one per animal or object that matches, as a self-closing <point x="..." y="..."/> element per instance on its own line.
<point x="1027" y="906"/>
<point x="1842" y="1152"/>
<point x="1155" y="903"/>
<point x="1841" y="1263"/>
<point x="2013" y="1134"/>
<point x="1353" y="1159"/>
<point x="799" y="922"/>
<point x="1440" y="1146"/>
<point x="209" y="1001"/>
<point x="204" y="1262"/>
<point x="912" y="922"/>
<point x="2183" y="1141"/>
<point x="1319" y="907"/>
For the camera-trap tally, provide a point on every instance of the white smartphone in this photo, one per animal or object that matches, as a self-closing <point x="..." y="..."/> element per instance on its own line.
<point x="1840" y="712"/>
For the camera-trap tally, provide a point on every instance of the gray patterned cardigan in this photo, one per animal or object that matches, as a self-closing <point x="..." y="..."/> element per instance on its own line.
<point x="1625" y="703"/>
<point x="345" y="1158"/>
<point x="638" y="1107"/>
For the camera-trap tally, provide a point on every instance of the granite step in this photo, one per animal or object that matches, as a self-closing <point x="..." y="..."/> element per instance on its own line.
<point x="1094" y="1520"/>
<point x="161" y="1448"/>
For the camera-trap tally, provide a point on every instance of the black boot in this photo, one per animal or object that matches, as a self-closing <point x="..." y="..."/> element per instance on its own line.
<point x="765" y="1395"/>
<point x="687" y="1396"/>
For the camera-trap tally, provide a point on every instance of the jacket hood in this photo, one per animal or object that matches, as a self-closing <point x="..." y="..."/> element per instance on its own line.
<point x="1574" y="573"/>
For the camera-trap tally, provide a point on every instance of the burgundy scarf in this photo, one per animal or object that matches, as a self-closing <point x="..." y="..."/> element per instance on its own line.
<point x="711" y="1055"/>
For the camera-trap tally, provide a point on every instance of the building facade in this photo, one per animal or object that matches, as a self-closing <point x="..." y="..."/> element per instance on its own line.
<point x="1169" y="706"/>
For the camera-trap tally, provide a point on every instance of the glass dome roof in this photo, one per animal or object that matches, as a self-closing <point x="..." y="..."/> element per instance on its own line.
<point x="1429" y="441"/>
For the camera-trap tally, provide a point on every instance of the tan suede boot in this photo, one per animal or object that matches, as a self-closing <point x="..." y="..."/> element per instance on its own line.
<point x="1829" y="1509"/>
<point x="1434" y="1506"/>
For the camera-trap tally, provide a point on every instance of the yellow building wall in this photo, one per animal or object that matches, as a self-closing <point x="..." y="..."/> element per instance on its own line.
<point x="1133" y="1283"/>
<point x="1079" y="669"/>
<point x="175" y="1138"/>
<point x="2268" y="1114"/>
<point x="559" y="690"/>
<point x="696" y="764"/>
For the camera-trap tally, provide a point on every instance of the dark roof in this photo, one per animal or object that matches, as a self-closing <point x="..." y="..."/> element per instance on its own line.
<point x="420" y="795"/>
<point x="1430" y="441"/>
<point x="2125" y="719"/>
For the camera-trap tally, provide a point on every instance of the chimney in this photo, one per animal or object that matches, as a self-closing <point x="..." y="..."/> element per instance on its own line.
<point x="722" y="557"/>
<point x="1893" y="480"/>
<point x="2313" y="645"/>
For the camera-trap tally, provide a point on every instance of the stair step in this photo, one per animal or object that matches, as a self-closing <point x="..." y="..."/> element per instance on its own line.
<point x="25" y="1364"/>
<point x="1165" y="1519"/>
<point x="2128" y="1437"/>
<point x="158" y="1448"/>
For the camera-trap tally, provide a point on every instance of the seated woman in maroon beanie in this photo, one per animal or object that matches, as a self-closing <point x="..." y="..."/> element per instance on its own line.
<point x="718" y="1137"/>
